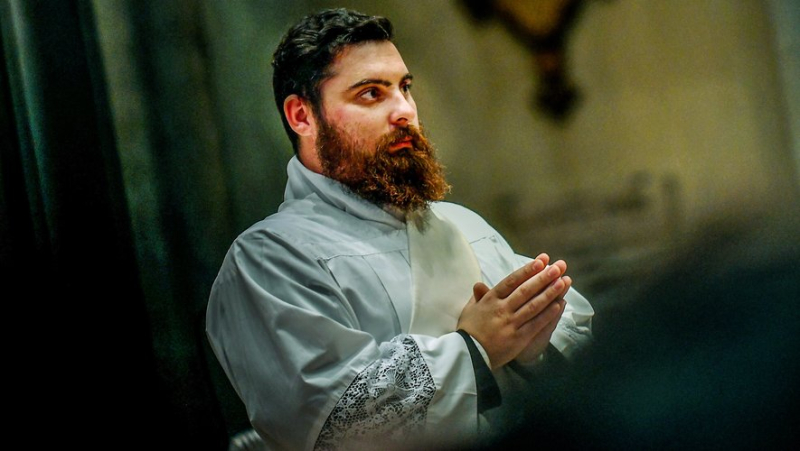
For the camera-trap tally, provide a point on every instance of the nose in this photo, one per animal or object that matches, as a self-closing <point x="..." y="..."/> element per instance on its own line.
<point x="404" y="111"/>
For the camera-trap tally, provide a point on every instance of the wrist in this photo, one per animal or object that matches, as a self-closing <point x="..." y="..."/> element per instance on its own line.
<point x="482" y="351"/>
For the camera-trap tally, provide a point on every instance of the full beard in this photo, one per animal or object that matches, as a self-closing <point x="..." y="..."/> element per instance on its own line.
<point x="407" y="179"/>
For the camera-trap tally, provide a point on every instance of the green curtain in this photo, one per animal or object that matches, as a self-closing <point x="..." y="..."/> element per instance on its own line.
<point x="109" y="245"/>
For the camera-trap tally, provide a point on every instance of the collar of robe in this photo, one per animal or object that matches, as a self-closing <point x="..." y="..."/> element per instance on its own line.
<point x="443" y="266"/>
<point x="303" y="183"/>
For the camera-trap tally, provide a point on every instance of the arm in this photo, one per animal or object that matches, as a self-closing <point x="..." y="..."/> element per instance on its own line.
<point x="292" y="347"/>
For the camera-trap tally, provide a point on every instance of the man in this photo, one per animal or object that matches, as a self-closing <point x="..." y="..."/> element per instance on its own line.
<point x="362" y="311"/>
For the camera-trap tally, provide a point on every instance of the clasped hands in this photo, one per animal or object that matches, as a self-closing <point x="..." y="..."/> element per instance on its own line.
<point x="515" y="319"/>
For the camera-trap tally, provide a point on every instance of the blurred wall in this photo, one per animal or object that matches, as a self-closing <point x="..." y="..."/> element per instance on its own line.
<point x="686" y="114"/>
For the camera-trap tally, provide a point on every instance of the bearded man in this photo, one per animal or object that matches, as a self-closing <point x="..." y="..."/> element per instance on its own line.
<point x="361" y="311"/>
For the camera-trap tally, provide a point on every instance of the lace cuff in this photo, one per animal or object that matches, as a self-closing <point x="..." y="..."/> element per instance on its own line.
<point x="389" y="399"/>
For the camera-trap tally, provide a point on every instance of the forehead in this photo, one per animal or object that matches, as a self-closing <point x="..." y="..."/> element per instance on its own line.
<point x="367" y="60"/>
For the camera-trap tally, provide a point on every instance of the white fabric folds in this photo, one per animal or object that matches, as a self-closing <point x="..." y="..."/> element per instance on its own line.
<point x="312" y="309"/>
<point x="443" y="271"/>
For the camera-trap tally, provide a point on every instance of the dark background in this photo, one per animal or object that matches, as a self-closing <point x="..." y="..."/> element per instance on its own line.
<point x="140" y="137"/>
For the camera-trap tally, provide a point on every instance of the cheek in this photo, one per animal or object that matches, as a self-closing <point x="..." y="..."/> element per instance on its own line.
<point x="347" y="120"/>
<point x="364" y="126"/>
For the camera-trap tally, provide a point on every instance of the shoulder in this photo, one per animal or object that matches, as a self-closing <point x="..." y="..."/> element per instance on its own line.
<point x="310" y="231"/>
<point x="298" y="224"/>
<point x="283" y="239"/>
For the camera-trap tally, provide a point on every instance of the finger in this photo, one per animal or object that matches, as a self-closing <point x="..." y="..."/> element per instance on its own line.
<point x="479" y="290"/>
<point x="551" y="314"/>
<point x="561" y="264"/>
<point x="530" y="288"/>
<point x="550" y="295"/>
<point x="548" y="329"/>
<point x="568" y="283"/>
<point x="513" y="280"/>
<point x="544" y="258"/>
<point x="543" y="337"/>
<point x="539" y="343"/>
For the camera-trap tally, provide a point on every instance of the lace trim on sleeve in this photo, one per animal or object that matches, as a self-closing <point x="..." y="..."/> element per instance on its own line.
<point x="389" y="399"/>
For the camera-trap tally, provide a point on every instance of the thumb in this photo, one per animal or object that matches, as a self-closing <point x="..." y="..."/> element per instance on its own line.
<point x="479" y="290"/>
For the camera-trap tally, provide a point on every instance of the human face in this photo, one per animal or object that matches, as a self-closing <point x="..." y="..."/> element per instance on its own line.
<point x="369" y="94"/>
<point x="368" y="136"/>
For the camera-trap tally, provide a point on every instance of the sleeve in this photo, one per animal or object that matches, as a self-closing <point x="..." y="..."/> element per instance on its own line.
<point x="309" y="377"/>
<point x="488" y="391"/>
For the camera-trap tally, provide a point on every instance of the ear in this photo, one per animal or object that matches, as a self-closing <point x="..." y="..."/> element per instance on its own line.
<point x="301" y="118"/>
<point x="298" y="114"/>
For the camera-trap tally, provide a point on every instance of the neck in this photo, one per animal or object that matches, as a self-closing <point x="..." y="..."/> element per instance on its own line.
<point x="309" y="157"/>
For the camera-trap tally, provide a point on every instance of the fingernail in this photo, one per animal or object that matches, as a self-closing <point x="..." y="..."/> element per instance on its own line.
<point x="538" y="265"/>
<point x="553" y="271"/>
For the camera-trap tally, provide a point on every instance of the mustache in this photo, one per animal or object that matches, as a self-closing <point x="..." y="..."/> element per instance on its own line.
<point x="418" y="140"/>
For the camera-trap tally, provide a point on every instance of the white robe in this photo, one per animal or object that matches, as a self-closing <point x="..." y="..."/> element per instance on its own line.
<point x="310" y="312"/>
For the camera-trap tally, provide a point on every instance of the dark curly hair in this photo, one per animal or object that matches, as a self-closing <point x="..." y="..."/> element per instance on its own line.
<point x="303" y="58"/>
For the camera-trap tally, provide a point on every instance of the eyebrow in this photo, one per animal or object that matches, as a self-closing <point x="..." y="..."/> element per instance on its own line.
<point x="378" y="81"/>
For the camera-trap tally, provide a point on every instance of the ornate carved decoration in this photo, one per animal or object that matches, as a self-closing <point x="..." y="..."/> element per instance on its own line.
<point x="542" y="26"/>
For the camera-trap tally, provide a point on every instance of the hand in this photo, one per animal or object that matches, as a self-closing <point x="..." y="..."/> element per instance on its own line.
<point x="512" y="315"/>
<point x="539" y="344"/>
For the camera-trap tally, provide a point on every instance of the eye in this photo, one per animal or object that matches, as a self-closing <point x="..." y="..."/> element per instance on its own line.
<point x="370" y="94"/>
<point x="406" y="87"/>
